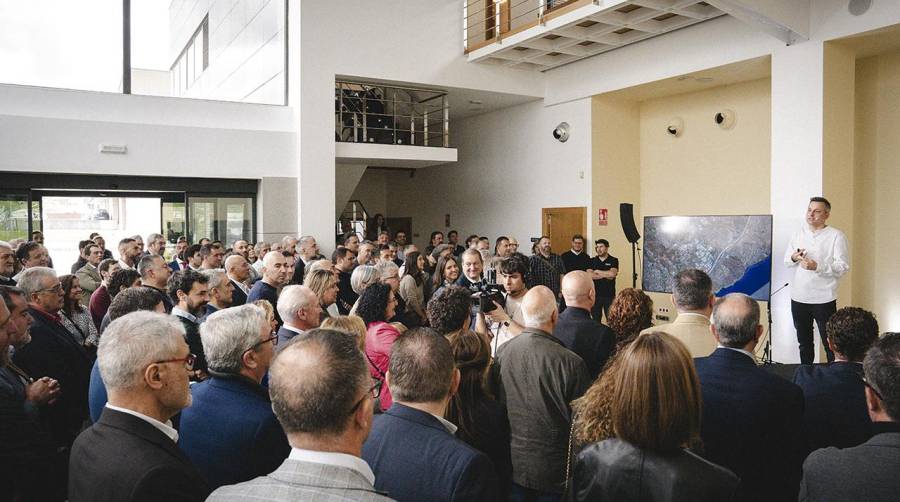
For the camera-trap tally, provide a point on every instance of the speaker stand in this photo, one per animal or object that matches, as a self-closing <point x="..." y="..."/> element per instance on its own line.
<point x="634" y="273"/>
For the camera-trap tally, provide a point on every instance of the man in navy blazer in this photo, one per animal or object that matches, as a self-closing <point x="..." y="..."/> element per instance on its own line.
<point x="752" y="419"/>
<point x="575" y="328"/>
<point x="836" y="413"/>
<point x="230" y="432"/>
<point x="300" y="310"/>
<point x="412" y="448"/>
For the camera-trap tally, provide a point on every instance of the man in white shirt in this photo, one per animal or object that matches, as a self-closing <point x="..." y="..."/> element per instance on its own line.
<point x="819" y="255"/>
<point x="129" y="253"/>
<point x="510" y="320"/>
<point x="326" y="415"/>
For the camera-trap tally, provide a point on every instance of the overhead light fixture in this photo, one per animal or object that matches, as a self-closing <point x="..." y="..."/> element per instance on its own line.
<point x="476" y="102"/>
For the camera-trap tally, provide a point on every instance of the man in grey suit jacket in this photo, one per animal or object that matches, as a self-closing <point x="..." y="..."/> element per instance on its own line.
<point x="868" y="471"/>
<point x="326" y="415"/>
<point x="89" y="275"/>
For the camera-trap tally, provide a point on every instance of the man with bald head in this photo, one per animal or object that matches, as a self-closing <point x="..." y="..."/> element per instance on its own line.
<point x="238" y="270"/>
<point x="537" y="379"/>
<point x="581" y="334"/>
<point x="275" y="275"/>
<point x="752" y="419"/>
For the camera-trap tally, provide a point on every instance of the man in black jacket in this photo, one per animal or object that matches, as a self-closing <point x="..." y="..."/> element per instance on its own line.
<point x="53" y="352"/>
<point x="751" y="421"/>
<point x="189" y="290"/>
<point x="584" y="336"/>
<point x="130" y="454"/>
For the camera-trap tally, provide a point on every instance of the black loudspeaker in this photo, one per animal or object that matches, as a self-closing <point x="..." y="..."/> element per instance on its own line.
<point x="626" y="212"/>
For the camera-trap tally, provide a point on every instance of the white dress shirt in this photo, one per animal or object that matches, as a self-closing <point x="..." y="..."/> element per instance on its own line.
<point x="338" y="459"/>
<point x="165" y="428"/>
<point x="828" y="248"/>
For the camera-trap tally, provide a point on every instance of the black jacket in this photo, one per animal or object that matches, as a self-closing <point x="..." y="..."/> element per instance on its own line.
<point x="53" y="352"/>
<point x="617" y="470"/>
<point x="752" y="425"/>
<point x="124" y="458"/>
<point x="586" y="337"/>
<point x="836" y="413"/>
<point x="192" y="337"/>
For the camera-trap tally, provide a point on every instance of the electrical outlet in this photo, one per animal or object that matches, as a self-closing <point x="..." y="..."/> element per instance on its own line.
<point x="662" y="318"/>
<point x="663" y="310"/>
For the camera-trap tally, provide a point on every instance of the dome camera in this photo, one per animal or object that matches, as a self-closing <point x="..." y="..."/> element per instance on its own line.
<point x="675" y="127"/>
<point x="561" y="133"/>
<point x="724" y="119"/>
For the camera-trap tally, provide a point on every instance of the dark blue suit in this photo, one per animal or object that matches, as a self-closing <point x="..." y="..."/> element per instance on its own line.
<point x="284" y="336"/>
<point x="174" y="265"/>
<point x="415" y="458"/>
<point x="836" y="413"/>
<point x="751" y="425"/>
<point x="230" y="432"/>
<point x="238" y="297"/>
<point x="586" y="337"/>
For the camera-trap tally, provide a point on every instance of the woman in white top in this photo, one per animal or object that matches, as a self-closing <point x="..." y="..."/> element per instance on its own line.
<point x="412" y="284"/>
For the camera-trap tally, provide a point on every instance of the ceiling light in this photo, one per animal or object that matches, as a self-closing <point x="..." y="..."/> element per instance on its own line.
<point x="476" y="102"/>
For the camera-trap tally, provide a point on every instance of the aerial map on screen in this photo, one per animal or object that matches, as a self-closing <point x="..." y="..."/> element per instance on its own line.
<point x="736" y="252"/>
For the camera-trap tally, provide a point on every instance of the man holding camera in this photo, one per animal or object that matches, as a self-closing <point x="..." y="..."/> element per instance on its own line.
<point x="508" y="317"/>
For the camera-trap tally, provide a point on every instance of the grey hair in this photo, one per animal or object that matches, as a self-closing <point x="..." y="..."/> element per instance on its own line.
<point x="132" y="342"/>
<point x="735" y="317"/>
<point x="363" y="277"/>
<point x="147" y="262"/>
<point x="317" y="265"/>
<point x="385" y="269"/>
<point x="228" y="333"/>
<point x="539" y="317"/>
<point x="31" y="279"/>
<point x="304" y="240"/>
<point x="216" y="276"/>
<point x="153" y="237"/>
<point x="4" y="244"/>
<point x="882" y="370"/>
<point x="294" y="298"/>
<point x="691" y="289"/>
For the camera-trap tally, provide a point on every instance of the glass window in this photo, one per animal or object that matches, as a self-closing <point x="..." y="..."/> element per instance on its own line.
<point x="237" y="47"/>
<point x="13" y="217"/>
<point x="60" y="43"/>
<point x="220" y="218"/>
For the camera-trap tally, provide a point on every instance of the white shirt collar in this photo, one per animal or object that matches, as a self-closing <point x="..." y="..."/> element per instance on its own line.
<point x="187" y="315"/>
<point x="165" y="428"/>
<point x="451" y="428"/>
<point x="742" y="351"/>
<point x="331" y="458"/>
<point x="125" y="265"/>
<point x="292" y="328"/>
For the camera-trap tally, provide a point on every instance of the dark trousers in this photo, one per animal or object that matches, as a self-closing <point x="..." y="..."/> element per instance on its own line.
<point x="804" y="314"/>
<point x="519" y="493"/>
<point x="601" y="308"/>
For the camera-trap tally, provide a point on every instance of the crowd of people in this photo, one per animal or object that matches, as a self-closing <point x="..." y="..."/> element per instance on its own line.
<point x="267" y="371"/>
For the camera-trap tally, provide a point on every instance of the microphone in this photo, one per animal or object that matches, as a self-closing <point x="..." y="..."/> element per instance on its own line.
<point x="779" y="289"/>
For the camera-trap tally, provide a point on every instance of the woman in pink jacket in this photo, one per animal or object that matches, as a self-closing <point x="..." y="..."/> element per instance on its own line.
<point x="375" y="307"/>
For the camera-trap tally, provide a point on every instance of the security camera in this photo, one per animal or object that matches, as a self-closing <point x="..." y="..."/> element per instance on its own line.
<point x="675" y="127"/>
<point x="561" y="133"/>
<point x="724" y="119"/>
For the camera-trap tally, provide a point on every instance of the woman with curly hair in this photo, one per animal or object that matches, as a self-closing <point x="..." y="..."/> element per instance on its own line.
<point x="629" y="314"/>
<point x="375" y="306"/>
<point x="655" y="419"/>
<point x="75" y="316"/>
<point x="481" y="420"/>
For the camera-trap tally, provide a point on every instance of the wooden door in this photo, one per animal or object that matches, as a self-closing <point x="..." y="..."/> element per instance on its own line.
<point x="561" y="223"/>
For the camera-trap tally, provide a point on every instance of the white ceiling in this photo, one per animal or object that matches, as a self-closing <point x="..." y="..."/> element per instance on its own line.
<point x="592" y="30"/>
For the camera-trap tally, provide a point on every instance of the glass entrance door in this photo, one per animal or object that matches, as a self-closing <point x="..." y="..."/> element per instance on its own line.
<point x="225" y="219"/>
<point x="13" y="216"/>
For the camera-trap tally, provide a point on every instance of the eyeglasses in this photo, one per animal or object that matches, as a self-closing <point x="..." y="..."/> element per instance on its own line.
<point x="374" y="392"/>
<point x="869" y="385"/>
<point x="57" y="288"/>
<point x="188" y="361"/>
<point x="273" y="339"/>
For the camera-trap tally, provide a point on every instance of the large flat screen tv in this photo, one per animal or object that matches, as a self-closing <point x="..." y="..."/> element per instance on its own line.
<point x="736" y="252"/>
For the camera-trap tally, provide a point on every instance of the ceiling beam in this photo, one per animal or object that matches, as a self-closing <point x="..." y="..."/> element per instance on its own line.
<point x="786" y="20"/>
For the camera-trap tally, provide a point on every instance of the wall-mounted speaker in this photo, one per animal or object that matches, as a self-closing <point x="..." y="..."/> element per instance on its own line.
<point x="626" y="213"/>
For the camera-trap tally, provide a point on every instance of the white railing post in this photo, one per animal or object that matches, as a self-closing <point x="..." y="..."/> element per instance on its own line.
<point x="446" y="107"/>
<point x="465" y="32"/>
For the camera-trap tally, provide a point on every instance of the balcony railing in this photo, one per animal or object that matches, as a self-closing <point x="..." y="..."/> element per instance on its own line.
<point x="488" y="21"/>
<point x="374" y="113"/>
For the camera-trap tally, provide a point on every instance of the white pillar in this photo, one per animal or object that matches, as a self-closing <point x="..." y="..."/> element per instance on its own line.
<point x="797" y="111"/>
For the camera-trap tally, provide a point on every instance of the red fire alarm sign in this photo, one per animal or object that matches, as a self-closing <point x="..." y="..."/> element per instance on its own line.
<point x="603" y="219"/>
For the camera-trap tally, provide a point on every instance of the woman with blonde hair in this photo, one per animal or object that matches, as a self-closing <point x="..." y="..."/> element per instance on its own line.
<point x="324" y="284"/>
<point x="349" y="324"/>
<point x="655" y="417"/>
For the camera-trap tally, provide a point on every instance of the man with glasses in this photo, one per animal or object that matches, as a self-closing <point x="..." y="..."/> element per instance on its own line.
<point x="53" y="352"/>
<point x="422" y="377"/>
<point x="301" y="311"/>
<point x="131" y="452"/>
<point x="326" y="415"/>
<point x="818" y="254"/>
<point x="230" y="432"/>
<point x="868" y="471"/>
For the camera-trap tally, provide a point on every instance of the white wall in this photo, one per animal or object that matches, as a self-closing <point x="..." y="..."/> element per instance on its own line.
<point x="509" y="168"/>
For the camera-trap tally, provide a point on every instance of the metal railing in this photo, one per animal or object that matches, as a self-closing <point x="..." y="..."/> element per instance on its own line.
<point x="375" y="113"/>
<point x="486" y="21"/>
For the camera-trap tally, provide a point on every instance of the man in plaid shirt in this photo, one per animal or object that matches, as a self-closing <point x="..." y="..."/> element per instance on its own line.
<point x="547" y="268"/>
